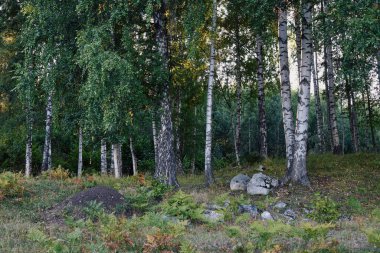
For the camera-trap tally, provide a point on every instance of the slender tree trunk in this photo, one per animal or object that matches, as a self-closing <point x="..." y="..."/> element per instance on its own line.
<point x="318" y="110"/>
<point x="287" y="112"/>
<point x="134" y="159"/>
<point x="355" y="118"/>
<point x="297" y="26"/>
<point x="178" y="139"/>
<point x="351" y="114"/>
<point x="112" y="164"/>
<point x="331" y="87"/>
<point x="80" y="153"/>
<point x="28" y="151"/>
<point x="249" y="135"/>
<point x="194" y="144"/>
<point x="116" y="157"/>
<point x="47" y="144"/>
<point x="103" y="157"/>
<point x="154" y="131"/>
<point x="208" y="167"/>
<point x="299" y="172"/>
<point x="370" y="117"/>
<point x="167" y="162"/>
<point x="261" y="98"/>
<point x="238" y="94"/>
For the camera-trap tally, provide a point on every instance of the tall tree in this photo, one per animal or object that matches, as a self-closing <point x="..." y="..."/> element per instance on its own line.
<point x="333" y="125"/>
<point x="208" y="166"/>
<point x="261" y="98"/>
<point x="287" y="112"/>
<point x="166" y="167"/>
<point x="299" y="171"/>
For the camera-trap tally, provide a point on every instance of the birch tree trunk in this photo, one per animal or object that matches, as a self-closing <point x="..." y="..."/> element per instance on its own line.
<point x="47" y="144"/>
<point x="208" y="167"/>
<point x="287" y="111"/>
<point x="238" y="94"/>
<point x="261" y="98"/>
<point x="297" y="27"/>
<point x="116" y="157"/>
<point x="318" y="111"/>
<point x="194" y="144"/>
<point x="28" y="150"/>
<point x="80" y="153"/>
<point x="154" y="132"/>
<point x="370" y="117"/>
<point x="167" y="162"/>
<point x="112" y="164"/>
<point x="331" y="98"/>
<point x="103" y="157"/>
<point x="299" y="172"/>
<point x="134" y="159"/>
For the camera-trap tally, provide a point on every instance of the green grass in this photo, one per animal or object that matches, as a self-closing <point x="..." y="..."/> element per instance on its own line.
<point x="350" y="181"/>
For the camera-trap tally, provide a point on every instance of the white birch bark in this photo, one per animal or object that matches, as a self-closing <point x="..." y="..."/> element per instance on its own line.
<point x="103" y="157"/>
<point x="166" y="168"/>
<point x="331" y="98"/>
<point x="116" y="157"/>
<point x="134" y="159"/>
<point x="208" y="152"/>
<point x="80" y="153"/>
<point x="299" y="172"/>
<point x="287" y="112"/>
<point x="28" y="150"/>
<point x="47" y="143"/>
<point x="318" y="111"/>
<point x="238" y="95"/>
<point x="261" y="98"/>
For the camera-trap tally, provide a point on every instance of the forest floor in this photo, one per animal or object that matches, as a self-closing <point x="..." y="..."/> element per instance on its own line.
<point x="339" y="213"/>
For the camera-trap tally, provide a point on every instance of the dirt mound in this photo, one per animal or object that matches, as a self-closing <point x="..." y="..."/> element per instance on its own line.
<point x="112" y="201"/>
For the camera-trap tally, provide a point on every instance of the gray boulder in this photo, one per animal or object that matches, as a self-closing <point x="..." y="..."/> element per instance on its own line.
<point x="239" y="182"/>
<point x="289" y="213"/>
<point x="261" y="184"/>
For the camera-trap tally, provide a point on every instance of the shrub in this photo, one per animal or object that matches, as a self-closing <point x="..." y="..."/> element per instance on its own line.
<point x="58" y="173"/>
<point x="183" y="206"/>
<point x="324" y="209"/>
<point x="11" y="185"/>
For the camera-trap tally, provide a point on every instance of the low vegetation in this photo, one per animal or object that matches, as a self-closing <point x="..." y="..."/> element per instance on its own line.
<point x="338" y="216"/>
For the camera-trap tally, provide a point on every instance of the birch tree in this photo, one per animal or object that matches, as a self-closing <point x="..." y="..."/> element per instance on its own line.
<point x="80" y="152"/>
<point x="208" y="152"/>
<point x="299" y="172"/>
<point x="103" y="157"/>
<point x="287" y="112"/>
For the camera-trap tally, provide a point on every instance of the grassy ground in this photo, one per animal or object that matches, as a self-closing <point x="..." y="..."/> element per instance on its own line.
<point x="348" y="186"/>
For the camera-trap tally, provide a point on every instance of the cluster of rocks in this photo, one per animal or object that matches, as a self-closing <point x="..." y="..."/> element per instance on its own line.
<point x="259" y="184"/>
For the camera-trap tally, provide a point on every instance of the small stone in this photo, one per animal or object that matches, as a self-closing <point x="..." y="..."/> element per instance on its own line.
<point x="290" y="214"/>
<point x="307" y="211"/>
<point x="251" y="209"/>
<point x="266" y="215"/>
<point x="213" y="216"/>
<point x="280" y="205"/>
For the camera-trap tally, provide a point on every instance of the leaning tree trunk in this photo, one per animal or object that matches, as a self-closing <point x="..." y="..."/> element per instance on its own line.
<point x="208" y="168"/>
<point x="116" y="157"/>
<point x="238" y="94"/>
<point x="261" y="98"/>
<point x="331" y="98"/>
<point x="299" y="172"/>
<point x="318" y="111"/>
<point x="103" y="157"/>
<point x="133" y="155"/>
<point x="47" y="143"/>
<point x="80" y="153"/>
<point x="287" y="112"/>
<point x="167" y="163"/>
